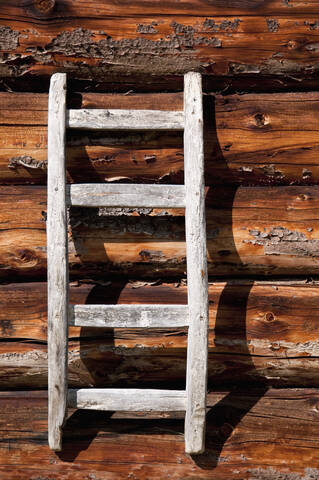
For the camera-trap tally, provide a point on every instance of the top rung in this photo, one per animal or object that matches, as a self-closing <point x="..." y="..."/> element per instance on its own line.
<point x="96" y="119"/>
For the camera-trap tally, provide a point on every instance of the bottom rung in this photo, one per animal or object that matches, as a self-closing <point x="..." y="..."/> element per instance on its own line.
<point x="133" y="400"/>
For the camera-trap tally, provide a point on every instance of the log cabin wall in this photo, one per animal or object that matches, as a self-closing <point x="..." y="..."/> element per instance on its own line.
<point x="259" y="61"/>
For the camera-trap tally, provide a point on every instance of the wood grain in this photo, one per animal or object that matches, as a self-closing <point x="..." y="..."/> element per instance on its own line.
<point x="57" y="251"/>
<point x="129" y="316"/>
<point x="259" y="333"/>
<point x="125" y="195"/>
<point x="248" y="437"/>
<point x="87" y="10"/>
<point x="97" y="119"/>
<point x="130" y="400"/>
<point x="252" y="139"/>
<point x="197" y="287"/>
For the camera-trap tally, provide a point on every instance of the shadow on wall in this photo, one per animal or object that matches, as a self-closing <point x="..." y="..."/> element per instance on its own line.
<point x="226" y="414"/>
<point x="223" y="417"/>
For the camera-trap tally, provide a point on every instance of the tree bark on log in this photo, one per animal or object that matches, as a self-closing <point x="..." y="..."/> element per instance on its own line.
<point x="259" y="333"/>
<point x="250" y="231"/>
<point x="250" y="435"/>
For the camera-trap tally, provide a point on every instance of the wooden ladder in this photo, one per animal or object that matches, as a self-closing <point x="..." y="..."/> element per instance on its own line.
<point x="61" y="314"/>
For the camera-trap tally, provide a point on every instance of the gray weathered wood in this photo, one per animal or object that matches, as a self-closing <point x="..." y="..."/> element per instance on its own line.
<point x="129" y="316"/>
<point x="125" y="119"/>
<point x="195" y="314"/>
<point x="133" y="400"/>
<point x="126" y="195"/>
<point x="57" y="250"/>
<point x="197" y="350"/>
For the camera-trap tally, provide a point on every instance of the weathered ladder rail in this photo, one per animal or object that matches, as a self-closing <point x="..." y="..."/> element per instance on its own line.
<point x="194" y="315"/>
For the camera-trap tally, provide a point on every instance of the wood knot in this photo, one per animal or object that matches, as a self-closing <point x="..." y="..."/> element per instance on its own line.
<point x="292" y="45"/>
<point x="24" y="258"/>
<point x="269" y="317"/>
<point x="303" y="197"/>
<point x="40" y="8"/>
<point x="261" y="119"/>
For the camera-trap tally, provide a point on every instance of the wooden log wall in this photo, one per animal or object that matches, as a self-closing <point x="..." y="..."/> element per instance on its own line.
<point x="248" y="437"/>
<point x="259" y="60"/>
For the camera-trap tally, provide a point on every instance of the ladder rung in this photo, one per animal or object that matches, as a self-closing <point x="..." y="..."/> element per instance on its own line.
<point x="125" y="119"/>
<point x="129" y="316"/>
<point x="126" y="195"/>
<point x="134" y="400"/>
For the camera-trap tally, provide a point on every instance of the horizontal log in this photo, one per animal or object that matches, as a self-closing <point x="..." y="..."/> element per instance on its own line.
<point x="251" y="434"/>
<point x="264" y="139"/>
<point x="129" y="316"/>
<point x="126" y="195"/>
<point x="91" y="9"/>
<point x="149" y="46"/>
<point x="259" y="333"/>
<point x="250" y="231"/>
